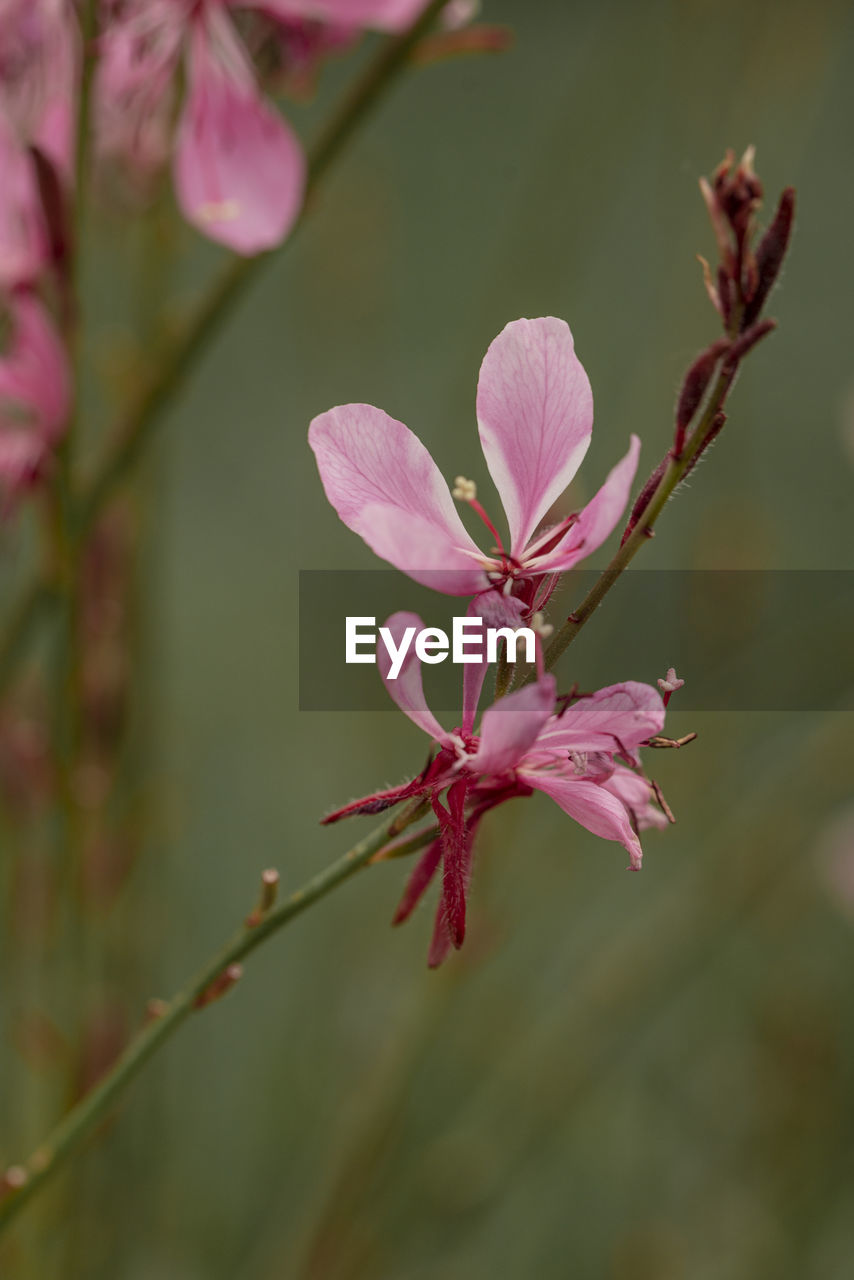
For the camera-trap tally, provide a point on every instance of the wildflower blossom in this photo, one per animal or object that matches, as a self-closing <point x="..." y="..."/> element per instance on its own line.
<point x="238" y="167"/>
<point x="583" y="754"/>
<point x="38" y="65"/>
<point x="535" y="418"/>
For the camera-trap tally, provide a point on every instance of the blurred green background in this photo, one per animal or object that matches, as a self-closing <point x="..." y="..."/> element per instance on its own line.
<point x="630" y="1077"/>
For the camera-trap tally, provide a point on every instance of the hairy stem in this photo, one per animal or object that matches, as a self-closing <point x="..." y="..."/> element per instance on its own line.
<point x="673" y="475"/>
<point x="22" y="1182"/>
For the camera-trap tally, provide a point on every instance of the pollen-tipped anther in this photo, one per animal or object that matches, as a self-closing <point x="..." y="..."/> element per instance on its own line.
<point x="464" y="490"/>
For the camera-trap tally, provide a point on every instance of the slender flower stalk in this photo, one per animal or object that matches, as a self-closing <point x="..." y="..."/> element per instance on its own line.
<point x="739" y="291"/>
<point x="22" y="1182"/>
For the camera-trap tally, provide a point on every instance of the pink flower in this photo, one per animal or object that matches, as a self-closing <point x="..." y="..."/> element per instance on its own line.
<point x="382" y="15"/>
<point x="35" y="395"/>
<point x="535" y="417"/>
<point x="39" y="60"/>
<point x="238" y="167"/>
<point x="24" y="244"/>
<point x="38" y="66"/>
<point x="525" y="744"/>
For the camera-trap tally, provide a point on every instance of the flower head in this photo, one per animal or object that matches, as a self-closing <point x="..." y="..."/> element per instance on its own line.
<point x="38" y="66"/>
<point x="581" y="753"/>
<point x="535" y="418"/>
<point x="238" y="167"/>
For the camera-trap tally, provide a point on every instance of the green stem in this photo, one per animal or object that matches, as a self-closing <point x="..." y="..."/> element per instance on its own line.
<point x="674" y="474"/>
<point x="24" y="1181"/>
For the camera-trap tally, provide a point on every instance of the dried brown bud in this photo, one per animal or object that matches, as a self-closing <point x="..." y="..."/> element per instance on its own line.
<point x="748" y="340"/>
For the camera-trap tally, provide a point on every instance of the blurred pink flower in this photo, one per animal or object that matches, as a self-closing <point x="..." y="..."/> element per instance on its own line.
<point x="524" y="745"/>
<point x="35" y="395"/>
<point x="39" y="56"/>
<point x="238" y="167"/>
<point x="535" y="417"/>
<point x="24" y="243"/>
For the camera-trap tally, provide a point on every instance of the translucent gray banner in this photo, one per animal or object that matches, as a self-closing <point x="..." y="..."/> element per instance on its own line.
<point x="742" y="640"/>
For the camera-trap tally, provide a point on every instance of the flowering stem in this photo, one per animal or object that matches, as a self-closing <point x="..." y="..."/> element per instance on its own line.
<point x="239" y="274"/>
<point x="179" y="357"/>
<point x="674" y="473"/>
<point x="22" y="1182"/>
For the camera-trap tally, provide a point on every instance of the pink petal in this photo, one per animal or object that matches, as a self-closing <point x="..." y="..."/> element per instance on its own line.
<point x="474" y="673"/>
<point x="23" y="236"/>
<point x="386" y="487"/>
<point x="512" y="725"/>
<point x="34" y="373"/>
<point x="592" y="807"/>
<point x="598" y="518"/>
<point x="239" y="169"/>
<point x="407" y="690"/>
<point x="636" y="794"/>
<point x="535" y="413"/>
<point x="135" y="82"/>
<point x="620" y="715"/>
<point x="384" y="15"/>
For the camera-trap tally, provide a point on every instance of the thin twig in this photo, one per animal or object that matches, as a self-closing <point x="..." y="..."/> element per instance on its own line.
<point x="23" y="1181"/>
<point x="673" y="475"/>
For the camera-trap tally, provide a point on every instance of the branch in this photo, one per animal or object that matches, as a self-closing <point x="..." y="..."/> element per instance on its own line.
<point x="744" y="281"/>
<point x="22" y="1182"/>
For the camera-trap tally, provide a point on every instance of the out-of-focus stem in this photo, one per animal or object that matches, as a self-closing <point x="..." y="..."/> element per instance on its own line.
<point x="24" y="1181"/>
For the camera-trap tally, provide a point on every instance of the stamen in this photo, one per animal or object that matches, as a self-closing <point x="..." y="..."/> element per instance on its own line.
<point x="542" y="628"/>
<point x="465" y="490"/>
<point x="669" y="684"/>
<point x="579" y="761"/>
<point x="219" y="210"/>
<point x="671" y="681"/>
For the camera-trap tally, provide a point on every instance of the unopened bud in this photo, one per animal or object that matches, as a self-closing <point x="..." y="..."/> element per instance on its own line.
<point x="770" y="255"/>
<point x="694" y="388"/>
